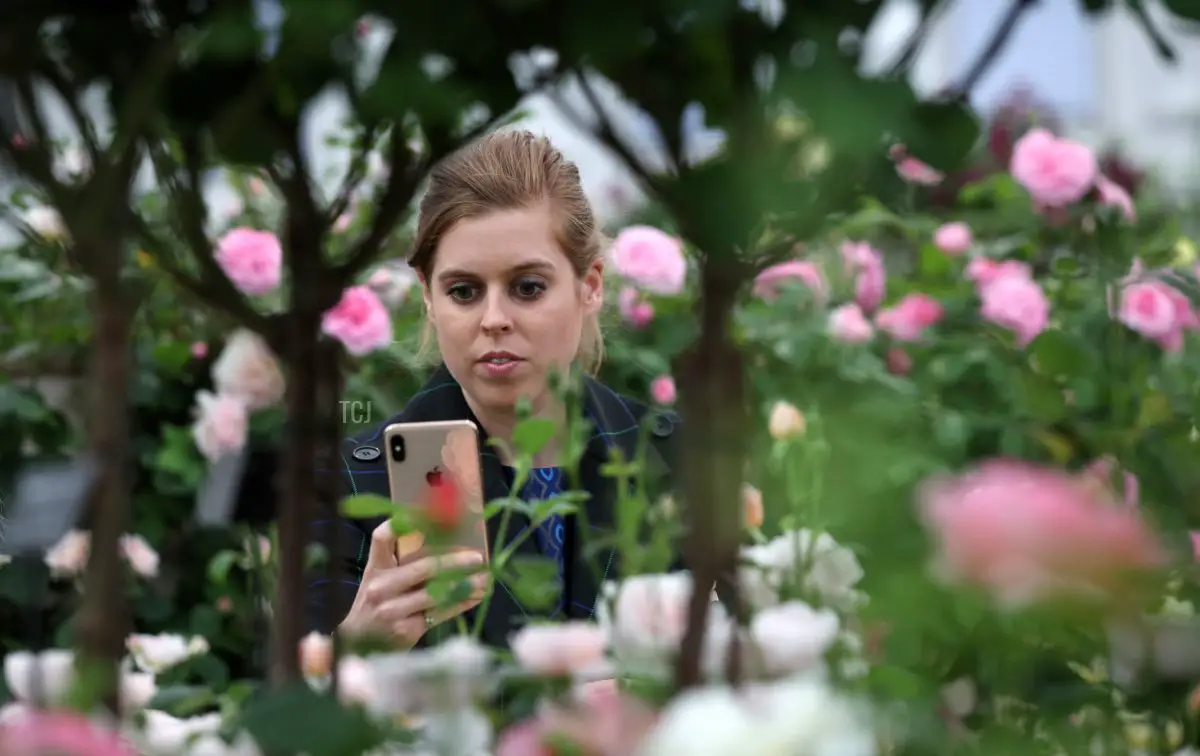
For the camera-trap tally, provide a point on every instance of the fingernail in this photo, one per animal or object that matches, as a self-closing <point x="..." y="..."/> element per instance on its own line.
<point x="473" y="557"/>
<point x="480" y="581"/>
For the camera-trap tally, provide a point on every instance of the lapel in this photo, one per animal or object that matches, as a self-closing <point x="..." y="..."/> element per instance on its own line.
<point x="591" y="556"/>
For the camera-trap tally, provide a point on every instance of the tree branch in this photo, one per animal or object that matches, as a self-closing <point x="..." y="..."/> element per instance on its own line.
<point x="991" y="51"/>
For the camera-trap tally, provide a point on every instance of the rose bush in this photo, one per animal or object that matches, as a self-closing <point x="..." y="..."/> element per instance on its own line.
<point x="997" y="394"/>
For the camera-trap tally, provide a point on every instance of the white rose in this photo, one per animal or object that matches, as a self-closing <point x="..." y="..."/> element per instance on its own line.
<point x="155" y="653"/>
<point x="793" y="637"/>
<point x="247" y="369"/>
<point x="46" y="222"/>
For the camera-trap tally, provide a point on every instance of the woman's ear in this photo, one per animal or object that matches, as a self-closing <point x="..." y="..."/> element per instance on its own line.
<point x="425" y="296"/>
<point x="593" y="287"/>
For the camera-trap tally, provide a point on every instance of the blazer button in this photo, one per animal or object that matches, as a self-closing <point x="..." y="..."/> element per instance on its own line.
<point x="662" y="426"/>
<point x="365" y="453"/>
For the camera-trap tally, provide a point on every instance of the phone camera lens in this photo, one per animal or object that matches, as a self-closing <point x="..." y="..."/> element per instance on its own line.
<point x="398" y="448"/>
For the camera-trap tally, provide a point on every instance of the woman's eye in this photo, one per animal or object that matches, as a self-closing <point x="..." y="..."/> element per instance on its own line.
<point x="529" y="288"/>
<point x="461" y="292"/>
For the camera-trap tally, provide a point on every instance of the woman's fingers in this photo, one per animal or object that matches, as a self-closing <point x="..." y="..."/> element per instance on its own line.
<point x="394" y="582"/>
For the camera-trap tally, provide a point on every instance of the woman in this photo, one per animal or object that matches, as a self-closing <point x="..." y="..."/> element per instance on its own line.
<point x="512" y="271"/>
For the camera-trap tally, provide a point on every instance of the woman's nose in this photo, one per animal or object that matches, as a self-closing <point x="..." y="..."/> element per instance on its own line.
<point x="496" y="317"/>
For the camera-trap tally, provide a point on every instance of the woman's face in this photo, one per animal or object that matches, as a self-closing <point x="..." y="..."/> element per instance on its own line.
<point x="507" y="306"/>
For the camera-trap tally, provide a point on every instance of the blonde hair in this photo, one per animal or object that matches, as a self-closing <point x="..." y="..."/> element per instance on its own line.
<point x="507" y="170"/>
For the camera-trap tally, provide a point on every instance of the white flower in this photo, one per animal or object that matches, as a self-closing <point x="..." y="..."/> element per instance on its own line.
<point x="221" y="426"/>
<point x="785" y="421"/>
<point x="46" y="223"/>
<point x="165" y="735"/>
<point x="794" y="716"/>
<point x="248" y="370"/>
<point x="793" y="637"/>
<point x="392" y="283"/>
<point x="155" y="653"/>
<point x="960" y="696"/>
<point x="824" y="567"/>
<point x="450" y="675"/>
<point x="54" y="668"/>
<point x="212" y="745"/>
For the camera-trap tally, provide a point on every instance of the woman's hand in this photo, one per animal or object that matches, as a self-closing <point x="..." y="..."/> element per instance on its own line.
<point x="392" y="600"/>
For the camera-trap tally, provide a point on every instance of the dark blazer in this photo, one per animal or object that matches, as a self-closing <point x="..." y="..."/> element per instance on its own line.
<point x="618" y="424"/>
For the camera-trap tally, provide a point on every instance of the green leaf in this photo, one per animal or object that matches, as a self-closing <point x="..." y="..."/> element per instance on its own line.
<point x="531" y="436"/>
<point x="183" y="700"/>
<point x="300" y="720"/>
<point x="1042" y="399"/>
<point x="366" y="505"/>
<point x="218" y="568"/>
<point x="1060" y="354"/>
<point x="534" y="581"/>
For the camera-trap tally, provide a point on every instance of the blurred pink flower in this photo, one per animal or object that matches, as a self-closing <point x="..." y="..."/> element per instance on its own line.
<point x="1017" y="304"/>
<point x="953" y="238"/>
<point x="1028" y="533"/>
<point x="662" y="390"/>
<point x="252" y="259"/>
<point x="650" y="259"/>
<point x="1113" y="194"/>
<point x="898" y="361"/>
<point x="634" y="310"/>
<point x="41" y="733"/>
<point x="768" y="282"/>
<point x="1056" y="172"/>
<point x="247" y="369"/>
<point x="602" y="722"/>
<point x="864" y="262"/>
<point x="848" y="324"/>
<point x="359" y="320"/>
<point x="199" y="350"/>
<point x="220" y="426"/>
<point x="912" y="170"/>
<point x="908" y="318"/>
<point x="142" y="558"/>
<point x="983" y="270"/>
<point x="1157" y="311"/>
<point x="560" y="649"/>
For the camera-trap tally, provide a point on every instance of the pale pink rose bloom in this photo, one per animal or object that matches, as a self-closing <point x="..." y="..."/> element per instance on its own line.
<point x="649" y="614"/>
<point x="248" y="370"/>
<point x="199" y="350"/>
<point x="392" y="283"/>
<point x="60" y="732"/>
<point x="793" y="637"/>
<point x="982" y="270"/>
<point x="55" y="668"/>
<point x="1028" y="533"/>
<point x="141" y="557"/>
<point x="662" y="390"/>
<point x="69" y="556"/>
<point x="953" y="238"/>
<point x="560" y="650"/>
<point x="359" y="321"/>
<point x="650" y="259"/>
<point x="634" y="310"/>
<point x="1102" y="471"/>
<point x="908" y="318"/>
<point x="356" y="685"/>
<point x="1113" y="194"/>
<point x="1017" y="304"/>
<point x="256" y="186"/>
<point x="912" y="170"/>
<point x="316" y="655"/>
<point x="786" y="421"/>
<point x="767" y="283"/>
<point x="1157" y="311"/>
<point x="865" y="263"/>
<point x="137" y="690"/>
<point x="848" y="324"/>
<point x="221" y="425"/>
<point x="604" y="724"/>
<point x="252" y="259"/>
<point x="1056" y="172"/>
<point x="343" y="222"/>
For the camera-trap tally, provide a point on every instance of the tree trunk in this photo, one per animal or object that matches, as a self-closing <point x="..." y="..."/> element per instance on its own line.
<point x="713" y="402"/>
<point x="294" y="513"/>
<point x="330" y="489"/>
<point x="103" y="617"/>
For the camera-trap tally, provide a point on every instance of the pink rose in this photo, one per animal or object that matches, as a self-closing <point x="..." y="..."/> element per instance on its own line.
<point x="914" y="171"/>
<point x="316" y="655"/>
<point x="870" y="277"/>
<point x="1017" y="304"/>
<point x="848" y="324"/>
<point x="662" y="390"/>
<point x="44" y="732"/>
<point x="767" y="283"/>
<point x="1113" y="194"/>
<point x="634" y="310"/>
<point x="898" y="361"/>
<point x="142" y="558"/>
<point x="1027" y="533"/>
<point x="1056" y="172"/>
<point x="69" y="555"/>
<point x="953" y="238"/>
<point x="199" y="350"/>
<point x="982" y="270"/>
<point x="247" y="369"/>
<point x="252" y="259"/>
<point x="909" y="317"/>
<point x="221" y="425"/>
<point x="1157" y="311"/>
<point x="650" y="259"/>
<point x="359" y="321"/>
<point x="560" y="650"/>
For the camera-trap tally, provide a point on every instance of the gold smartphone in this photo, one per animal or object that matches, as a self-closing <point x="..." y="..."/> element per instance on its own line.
<point x="418" y="455"/>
